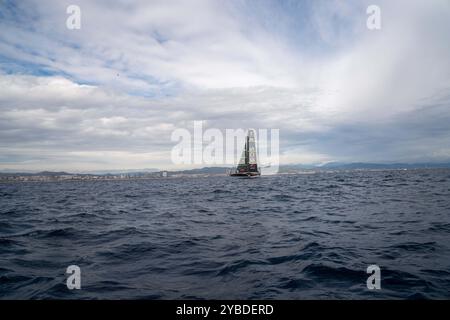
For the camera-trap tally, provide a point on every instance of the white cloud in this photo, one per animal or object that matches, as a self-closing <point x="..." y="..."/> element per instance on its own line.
<point x="394" y="70"/>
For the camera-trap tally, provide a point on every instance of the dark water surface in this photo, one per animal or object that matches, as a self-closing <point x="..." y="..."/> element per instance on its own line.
<point x="277" y="237"/>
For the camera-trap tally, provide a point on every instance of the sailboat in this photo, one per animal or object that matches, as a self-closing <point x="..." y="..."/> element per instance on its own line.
<point x="247" y="166"/>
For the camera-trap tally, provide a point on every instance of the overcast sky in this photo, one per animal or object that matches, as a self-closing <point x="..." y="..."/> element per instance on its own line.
<point x="108" y="96"/>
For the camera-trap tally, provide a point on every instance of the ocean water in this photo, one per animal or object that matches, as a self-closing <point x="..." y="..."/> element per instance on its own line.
<point x="308" y="236"/>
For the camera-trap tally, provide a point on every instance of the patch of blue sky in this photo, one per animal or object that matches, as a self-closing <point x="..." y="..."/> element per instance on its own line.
<point x="313" y="27"/>
<point x="14" y="66"/>
<point x="159" y="37"/>
<point x="18" y="13"/>
<point x="157" y="89"/>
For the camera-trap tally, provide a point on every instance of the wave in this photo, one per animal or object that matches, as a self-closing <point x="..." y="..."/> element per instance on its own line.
<point x="237" y="265"/>
<point x="416" y="246"/>
<point x="66" y="233"/>
<point x="332" y="273"/>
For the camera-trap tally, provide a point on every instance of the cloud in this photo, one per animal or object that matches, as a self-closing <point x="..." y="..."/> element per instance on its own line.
<point x="151" y="46"/>
<point x="110" y="94"/>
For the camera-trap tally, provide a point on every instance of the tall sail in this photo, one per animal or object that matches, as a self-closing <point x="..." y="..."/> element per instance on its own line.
<point x="243" y="161"/>
<point x="248" y="163"/>
<point x="251" y="142"/>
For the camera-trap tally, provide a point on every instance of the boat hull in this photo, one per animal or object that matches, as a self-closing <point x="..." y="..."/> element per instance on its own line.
<point x="245" y="174"/>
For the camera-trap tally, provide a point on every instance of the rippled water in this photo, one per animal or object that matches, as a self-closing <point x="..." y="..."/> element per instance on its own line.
<point x="280" y="237"/>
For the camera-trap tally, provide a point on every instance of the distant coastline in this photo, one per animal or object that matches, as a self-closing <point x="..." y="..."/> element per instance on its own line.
<point x="45" y="176"/>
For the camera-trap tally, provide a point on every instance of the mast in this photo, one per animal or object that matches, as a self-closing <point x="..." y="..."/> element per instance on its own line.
<point x="247" y="149"/>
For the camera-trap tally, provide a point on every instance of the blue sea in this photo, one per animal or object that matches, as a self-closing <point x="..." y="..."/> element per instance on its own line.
<point x="306" y="236"/>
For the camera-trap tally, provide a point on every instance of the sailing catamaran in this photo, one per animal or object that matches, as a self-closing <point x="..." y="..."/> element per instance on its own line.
<point x="247" y="166"/>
